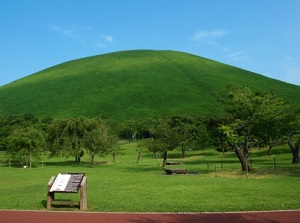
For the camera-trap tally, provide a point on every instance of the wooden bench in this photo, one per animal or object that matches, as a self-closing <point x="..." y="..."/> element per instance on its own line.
<point x="173" y="163"/>
<point x="100" y="162"/>
<point x="177" y="171"/>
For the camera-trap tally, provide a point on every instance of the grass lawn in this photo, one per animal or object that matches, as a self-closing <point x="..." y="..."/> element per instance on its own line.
<point x="131" y="85"/>
<point x="214" y="183"/>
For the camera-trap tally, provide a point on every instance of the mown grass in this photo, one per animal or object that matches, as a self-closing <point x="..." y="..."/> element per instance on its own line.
<point x="127" y="186"/>
<point x="132" y="85"/>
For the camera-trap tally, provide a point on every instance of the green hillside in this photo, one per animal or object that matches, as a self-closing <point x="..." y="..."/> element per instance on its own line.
<point x="132" y="84"/>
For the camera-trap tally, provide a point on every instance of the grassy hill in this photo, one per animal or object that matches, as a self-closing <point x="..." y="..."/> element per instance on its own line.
<point x="132" y="84"/>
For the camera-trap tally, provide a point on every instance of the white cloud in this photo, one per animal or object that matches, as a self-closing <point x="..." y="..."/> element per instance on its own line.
<point x="68" y="32"/>
<point x="101" y="45"/>
<point x="240" y="55"/>
<point x="107" y="38"/>
<point x="209" y="35"/>
<point x="84" y="35"/>
<point x="213" y="43"/>
<point x="54" y="27"/>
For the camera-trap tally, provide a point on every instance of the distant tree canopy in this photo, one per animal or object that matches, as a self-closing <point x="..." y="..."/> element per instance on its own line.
<point x="252" y="118"/>
<point x="69" y="137"/>
<point x="170" y="133"/>
<point x="9" y="123"/>
<point x="22" y="138"/>
<point x="66" y="137"/>
<point x="26" y="143"/>
<point x="99" y="139"/>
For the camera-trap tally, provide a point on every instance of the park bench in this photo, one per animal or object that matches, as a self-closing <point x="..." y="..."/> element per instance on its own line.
<point x="100" y="162"/>
<point x="173" y="163"/>
<point x="177" y="171"/>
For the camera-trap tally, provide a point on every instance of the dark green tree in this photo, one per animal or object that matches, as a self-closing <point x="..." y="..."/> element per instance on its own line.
<point x="292" y="130"/>
<point x="165" y="137"/>
<point x="66" y="137"/>
<point x="9" y="123"/>
<point x="248" y="112"/>
<point x="269" y="128"/>
<point x="100" y="140"/>
<point x="26" y="143"/>
<point x="188" y="129"/>
<point x="134" y="130"/>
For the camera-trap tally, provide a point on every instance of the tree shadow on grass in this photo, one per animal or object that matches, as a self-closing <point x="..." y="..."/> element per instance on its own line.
<point x="264" y="152"/>
<point x="142" y="168"/>
<point x="44" y="203"/>
<point x="286" y="171"/>
<point x="67" y="163"/>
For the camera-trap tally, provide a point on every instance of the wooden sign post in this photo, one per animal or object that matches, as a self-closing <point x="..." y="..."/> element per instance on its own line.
<point x="67" y="183"/>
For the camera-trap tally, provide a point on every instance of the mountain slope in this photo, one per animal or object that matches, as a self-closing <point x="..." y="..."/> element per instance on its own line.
<point x="132" y="84"/>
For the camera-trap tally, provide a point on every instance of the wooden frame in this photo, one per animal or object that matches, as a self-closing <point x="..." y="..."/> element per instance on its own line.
<point x="83" y="195"/>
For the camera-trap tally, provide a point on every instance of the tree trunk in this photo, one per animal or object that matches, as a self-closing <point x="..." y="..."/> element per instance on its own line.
<point x="133" y="136"/>
<point x="165" y="157"/>
<point x="183" y="151"/>
<point x="77" y="159"/>
<point x="295" y="157"/>
<point x="243" y="158"/>
<point x="30" y="160"/>
<point x="294" y="147"/>
<point x="270" y="150"/>
<point x="157" y="158"/>
<point x="93" y="160"/>
<point x="139" y="155"/>
<point x="114" y="156"/>
<point x="223" y="151"/>
<point x="295" y="152"/>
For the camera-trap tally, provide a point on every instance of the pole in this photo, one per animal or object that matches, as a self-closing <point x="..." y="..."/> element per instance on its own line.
<point x="247" y="171"/>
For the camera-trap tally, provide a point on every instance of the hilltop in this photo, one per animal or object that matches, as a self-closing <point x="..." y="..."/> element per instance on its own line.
<point x="132" y="84"/>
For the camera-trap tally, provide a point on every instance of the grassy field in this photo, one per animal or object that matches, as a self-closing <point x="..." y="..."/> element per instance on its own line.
<point x="133" y="85"/>
<point x="214" y="183"/>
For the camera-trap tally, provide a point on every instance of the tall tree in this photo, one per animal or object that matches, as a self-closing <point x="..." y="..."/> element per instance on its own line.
<point x="165" y="137"/>
<point x="134" y="129"/>
<point x="269" y="128"/>
<point x="9" y="123"/>
<point x="66" y="137"/>
<point x="292" y="131"/>
<point x="248" y="112"/>
<point x="188" y="129"/>
<point x="99" y="139"/>
<point x="26" y="143"/>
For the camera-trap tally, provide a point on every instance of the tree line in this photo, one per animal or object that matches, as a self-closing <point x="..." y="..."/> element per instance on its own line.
<point x="250" y="119"/>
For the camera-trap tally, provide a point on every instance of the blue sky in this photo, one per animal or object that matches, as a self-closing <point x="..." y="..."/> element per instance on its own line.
<point x="262" y="36"/>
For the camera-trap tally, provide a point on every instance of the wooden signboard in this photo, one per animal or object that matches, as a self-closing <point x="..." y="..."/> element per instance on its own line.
<point x="67" y="183"/>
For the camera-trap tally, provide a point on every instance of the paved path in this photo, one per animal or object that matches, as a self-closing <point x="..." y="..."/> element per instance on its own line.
<point x="7" y="216"/>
